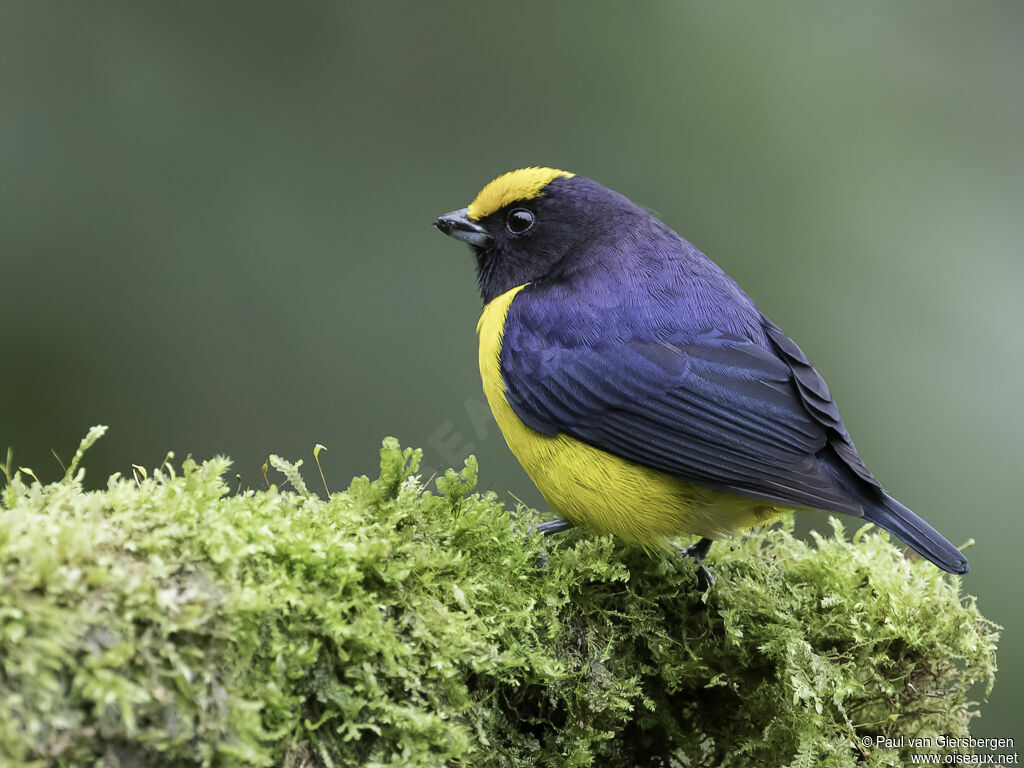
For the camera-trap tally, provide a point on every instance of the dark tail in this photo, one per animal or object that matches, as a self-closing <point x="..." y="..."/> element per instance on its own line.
<point x="893" y="517"/>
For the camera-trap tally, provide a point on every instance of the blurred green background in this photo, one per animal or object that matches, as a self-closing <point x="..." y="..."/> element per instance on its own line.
<point x="215" y="224"/>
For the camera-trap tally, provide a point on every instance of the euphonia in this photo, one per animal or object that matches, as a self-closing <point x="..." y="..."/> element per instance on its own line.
<point x="641" y="389"/>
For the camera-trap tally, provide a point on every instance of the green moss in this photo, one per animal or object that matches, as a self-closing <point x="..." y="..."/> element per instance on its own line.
<point x="168" y="621"/>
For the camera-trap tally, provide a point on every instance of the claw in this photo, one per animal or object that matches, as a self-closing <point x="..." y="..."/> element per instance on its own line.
<point x="704" y="579"/>
<point x="542" y="563"/>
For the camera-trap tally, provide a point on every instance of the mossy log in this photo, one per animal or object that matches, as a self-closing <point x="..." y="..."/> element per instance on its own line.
<point x="170" y="620"/>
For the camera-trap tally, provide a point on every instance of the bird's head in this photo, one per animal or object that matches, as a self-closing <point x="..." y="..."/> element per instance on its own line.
<point x="540" y="224"/>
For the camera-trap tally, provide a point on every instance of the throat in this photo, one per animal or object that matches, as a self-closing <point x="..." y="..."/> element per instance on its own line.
<point x="500" y="271"/>
<point x="488" y="275"/>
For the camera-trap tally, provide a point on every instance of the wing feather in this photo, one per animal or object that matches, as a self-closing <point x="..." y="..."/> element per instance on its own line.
<point x="714" y="407"/>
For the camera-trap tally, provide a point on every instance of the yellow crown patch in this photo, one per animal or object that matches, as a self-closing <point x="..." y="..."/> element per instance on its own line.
<point x="524" y="184"/>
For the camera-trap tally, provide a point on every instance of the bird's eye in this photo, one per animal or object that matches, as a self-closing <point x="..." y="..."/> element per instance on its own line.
<point x="519" y="221"/>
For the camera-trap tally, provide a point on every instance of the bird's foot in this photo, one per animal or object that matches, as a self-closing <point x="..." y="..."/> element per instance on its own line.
<point x="548" y="528"/>
<point x="698" y="552"/>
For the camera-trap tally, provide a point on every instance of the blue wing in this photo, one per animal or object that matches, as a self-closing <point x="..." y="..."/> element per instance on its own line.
<point x="740" y="414"/>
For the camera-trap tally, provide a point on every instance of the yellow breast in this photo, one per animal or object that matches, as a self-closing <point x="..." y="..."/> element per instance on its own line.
<point x="596" y="489"/>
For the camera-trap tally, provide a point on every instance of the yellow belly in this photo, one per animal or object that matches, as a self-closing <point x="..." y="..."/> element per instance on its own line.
<point x="598" y="490"/>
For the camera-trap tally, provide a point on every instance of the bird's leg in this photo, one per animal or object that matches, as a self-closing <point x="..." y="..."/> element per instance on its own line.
<point x="698" y="552"/>
<point x="548" y="528"/>
<point x="554" y="526"/>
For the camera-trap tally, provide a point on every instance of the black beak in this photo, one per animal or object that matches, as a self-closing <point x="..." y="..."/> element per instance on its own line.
<point x="457" y="224"/>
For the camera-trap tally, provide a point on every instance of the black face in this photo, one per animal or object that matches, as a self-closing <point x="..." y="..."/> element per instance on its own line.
<point x="573" y="222"/>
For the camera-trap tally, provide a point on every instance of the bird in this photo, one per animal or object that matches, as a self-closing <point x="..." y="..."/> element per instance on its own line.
<point x="641" y="389"/>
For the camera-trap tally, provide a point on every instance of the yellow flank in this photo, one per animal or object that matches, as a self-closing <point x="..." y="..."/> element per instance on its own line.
<point x="598" y="490"/>
<point x="524" y="184"/>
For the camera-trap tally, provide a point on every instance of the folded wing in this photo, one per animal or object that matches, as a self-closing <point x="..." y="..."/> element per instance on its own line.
<point x="712" y="407"/>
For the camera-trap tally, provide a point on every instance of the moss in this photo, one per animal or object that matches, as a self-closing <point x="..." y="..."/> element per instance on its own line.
<point x="167" y="620"/>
